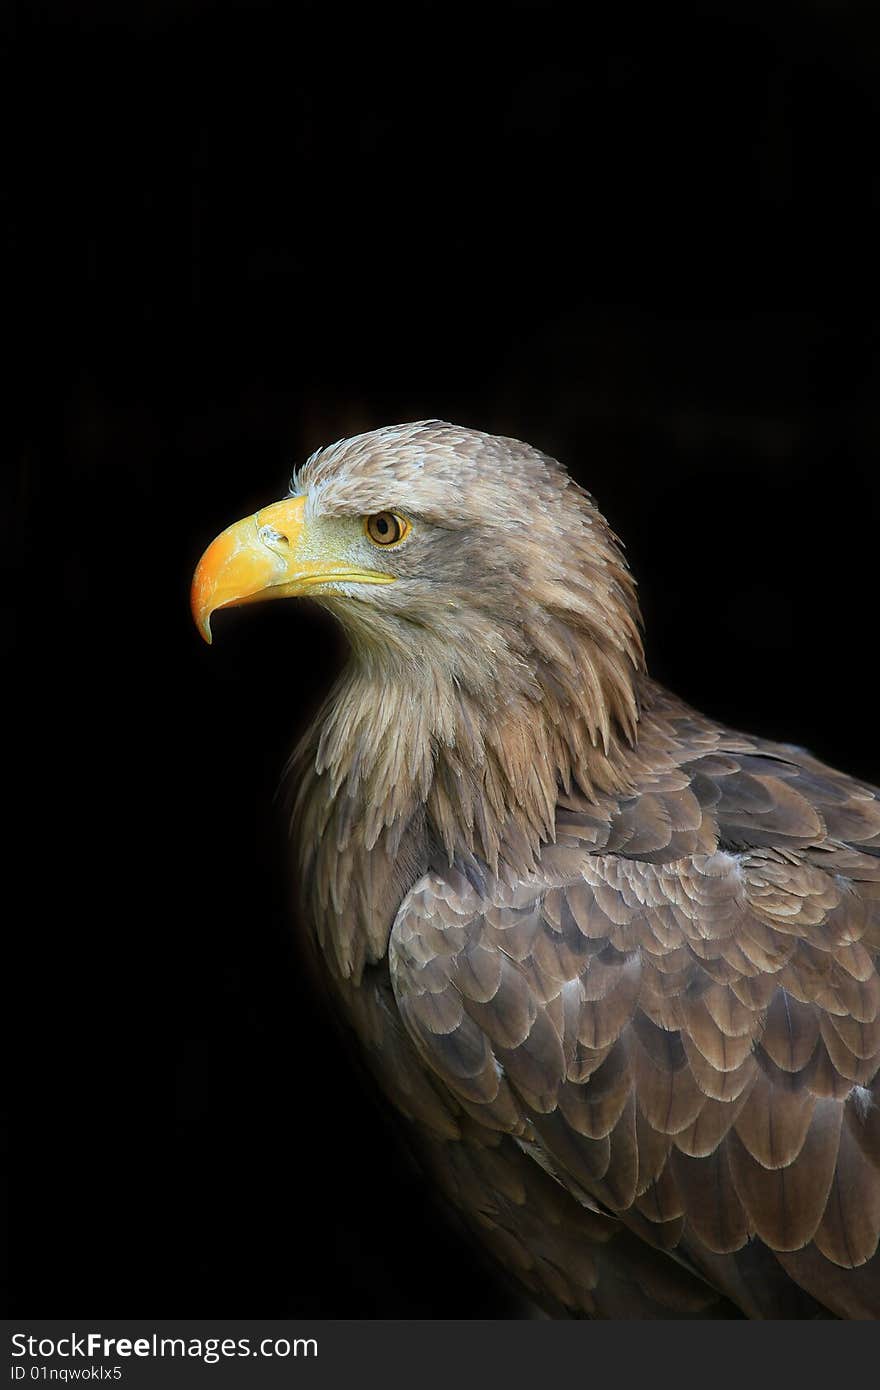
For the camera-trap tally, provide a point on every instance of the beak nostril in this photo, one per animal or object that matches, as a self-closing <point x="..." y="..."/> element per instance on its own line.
<point x="270" y="536"/>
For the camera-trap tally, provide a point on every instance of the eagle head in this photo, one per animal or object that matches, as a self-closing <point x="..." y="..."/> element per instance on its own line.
<point x="444" y="549"/>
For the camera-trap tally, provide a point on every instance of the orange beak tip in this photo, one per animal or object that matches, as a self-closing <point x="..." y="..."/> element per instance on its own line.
<point x="201" y="612"/>
<point x="240" y="567"/>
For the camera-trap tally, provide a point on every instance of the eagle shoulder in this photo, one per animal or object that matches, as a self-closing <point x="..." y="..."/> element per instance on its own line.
<point x="681" y="1007"/>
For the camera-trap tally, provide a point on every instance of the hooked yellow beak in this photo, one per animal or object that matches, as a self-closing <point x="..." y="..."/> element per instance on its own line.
<point x="268" y="555"/>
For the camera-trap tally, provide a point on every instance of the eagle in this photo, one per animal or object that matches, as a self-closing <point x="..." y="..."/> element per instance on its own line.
<point x="615" y="963"/>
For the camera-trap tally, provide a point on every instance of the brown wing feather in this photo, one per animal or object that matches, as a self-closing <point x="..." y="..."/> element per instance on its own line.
<point x="686" y="1028"/>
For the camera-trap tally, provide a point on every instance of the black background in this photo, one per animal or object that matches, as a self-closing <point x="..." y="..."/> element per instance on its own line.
<point x="644" y="240"/>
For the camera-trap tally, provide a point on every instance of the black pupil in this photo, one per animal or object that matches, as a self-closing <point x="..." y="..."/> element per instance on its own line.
<point x="382" y="525"/>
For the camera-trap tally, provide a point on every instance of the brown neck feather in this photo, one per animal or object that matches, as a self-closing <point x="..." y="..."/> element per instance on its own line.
<point x="408" y="762"/>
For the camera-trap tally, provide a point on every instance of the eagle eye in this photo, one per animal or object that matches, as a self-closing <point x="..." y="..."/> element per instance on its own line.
<point x="386" y="528"/>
